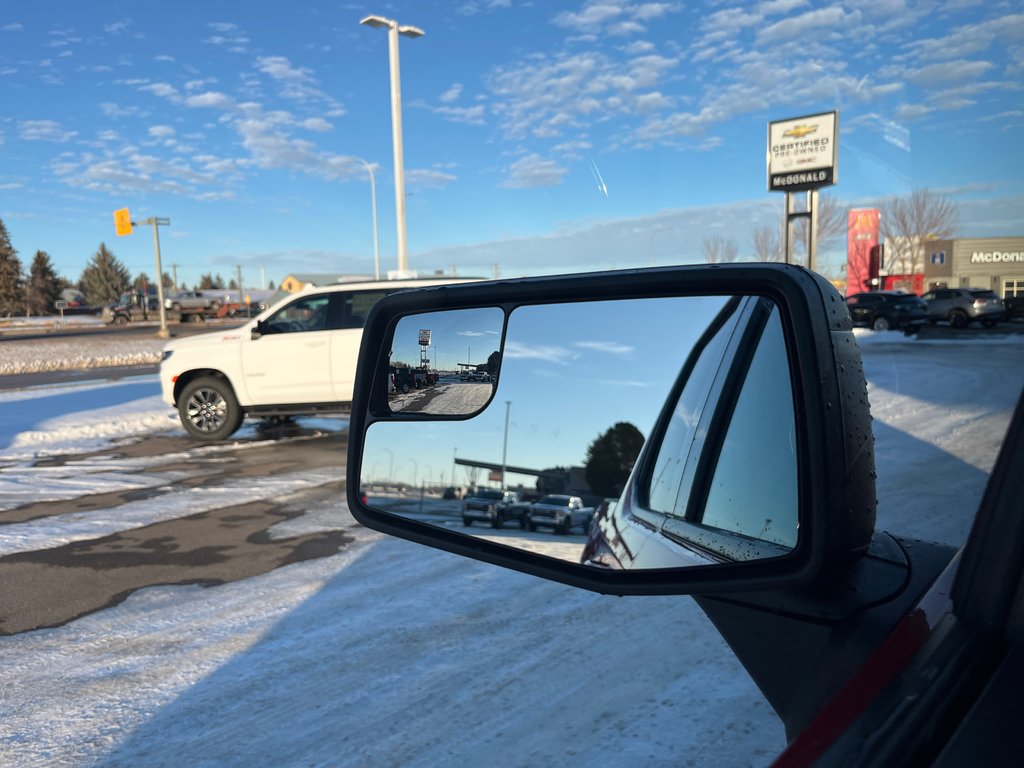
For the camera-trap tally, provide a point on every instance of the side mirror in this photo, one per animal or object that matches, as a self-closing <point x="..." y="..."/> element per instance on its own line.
<point x="258" y="330"/>
<point x="727" y="404"/>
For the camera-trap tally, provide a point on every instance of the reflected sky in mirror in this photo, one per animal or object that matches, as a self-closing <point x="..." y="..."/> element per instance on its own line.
<point x="569" y="372"/>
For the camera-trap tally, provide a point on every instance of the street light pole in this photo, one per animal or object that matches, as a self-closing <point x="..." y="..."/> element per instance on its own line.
<point x="394" y="30"/>
<point x="373" y="208"/>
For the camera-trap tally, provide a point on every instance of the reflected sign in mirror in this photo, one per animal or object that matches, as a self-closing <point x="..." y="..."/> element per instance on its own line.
<point x="642" y="433"/>
<point x="445" y="363"/>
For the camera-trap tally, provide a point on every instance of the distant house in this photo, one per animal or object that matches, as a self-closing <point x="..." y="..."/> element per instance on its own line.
<point x="297" y="281"/>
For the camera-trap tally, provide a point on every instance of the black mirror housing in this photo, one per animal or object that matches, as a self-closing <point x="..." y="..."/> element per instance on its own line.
<point x="835" y="446"/>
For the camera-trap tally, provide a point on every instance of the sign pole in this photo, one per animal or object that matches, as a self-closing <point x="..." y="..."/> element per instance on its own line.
<point x="123" y="226"/>
<point x="163" y="333"/>
<point x="802" y="157"/>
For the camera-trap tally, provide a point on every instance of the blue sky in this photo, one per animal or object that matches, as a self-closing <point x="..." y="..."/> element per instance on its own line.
<point x="571" y="371"/>
<point x="539" y="137"/>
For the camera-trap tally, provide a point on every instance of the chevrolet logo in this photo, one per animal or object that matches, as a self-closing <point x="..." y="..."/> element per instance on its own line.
<point x="799" y="131"/>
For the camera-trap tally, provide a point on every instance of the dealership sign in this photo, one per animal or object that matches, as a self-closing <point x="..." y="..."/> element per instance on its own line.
<point x="802" y="152"/>
<point x="424" y="337"/>
<point x="996" y="257"/>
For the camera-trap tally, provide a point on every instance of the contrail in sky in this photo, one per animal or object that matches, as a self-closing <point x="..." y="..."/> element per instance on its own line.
<point x="597" y="177"/>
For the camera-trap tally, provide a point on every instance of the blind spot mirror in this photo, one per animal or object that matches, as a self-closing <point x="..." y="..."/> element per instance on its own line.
<point x="445" y="363"/>
<point x="639" y="433"/>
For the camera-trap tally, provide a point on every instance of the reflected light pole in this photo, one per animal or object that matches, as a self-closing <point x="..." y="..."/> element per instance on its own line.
<point x="394" y="30"/>
<point x="391" y="464"/>
<point x="504" y="450"/>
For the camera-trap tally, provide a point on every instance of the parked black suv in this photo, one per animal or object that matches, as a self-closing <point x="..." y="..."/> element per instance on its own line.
<point x="885" y="310"/>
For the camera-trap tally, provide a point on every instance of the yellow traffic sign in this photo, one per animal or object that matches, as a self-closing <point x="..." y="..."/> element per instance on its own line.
<point x="122" y="222"/>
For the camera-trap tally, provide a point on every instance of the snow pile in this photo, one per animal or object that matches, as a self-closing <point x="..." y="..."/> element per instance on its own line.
<point x="77" y="353"/>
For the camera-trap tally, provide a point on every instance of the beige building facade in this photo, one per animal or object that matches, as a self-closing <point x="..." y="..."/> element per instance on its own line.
<point x="995" y="263"/>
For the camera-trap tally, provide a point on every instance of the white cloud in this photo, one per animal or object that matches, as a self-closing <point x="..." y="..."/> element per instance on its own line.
<point x="161" y="131"/>
<point x="163" y="57"/>
<point x="947" y="72"/>
<point x="515" y="350"/>
<point x="534" y="171"/>
<point x="805" y="24"/>
<point x="613" y="16"/>
<point x="453" y="93"/>
<point x="428" y="178"/>
<point x="117" y="28"/>
<point x="912" y="111"/>
<point x="317" y="124"/>
<point x="606" y="347"/>
<point x="164" y="90"/>
<point x="212" y="99"/>
<point x="468" y="115"/>
<point x="296" y="83"/>
<point x="44" y="130"/>
<point x="110" y="109"/>
<point x="12" y="27"/>
<point x="546" y="96"/>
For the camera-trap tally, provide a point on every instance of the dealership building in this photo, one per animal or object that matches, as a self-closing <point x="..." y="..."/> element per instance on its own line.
<point x="993" y="263"/>
<point x="996" y="263"/>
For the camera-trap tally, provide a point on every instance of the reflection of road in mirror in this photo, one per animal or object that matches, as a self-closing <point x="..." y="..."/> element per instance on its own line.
<point x="447" y="513"/>
<point x="444" y="398"/>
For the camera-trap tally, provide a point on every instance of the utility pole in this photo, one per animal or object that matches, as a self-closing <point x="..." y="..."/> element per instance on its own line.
<point x="157" y="222"/>
<point x="174" y="275"/>
<point x="241" y="290"/>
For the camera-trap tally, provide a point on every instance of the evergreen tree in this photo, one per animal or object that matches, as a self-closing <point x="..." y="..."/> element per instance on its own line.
<point x="168" y="282"/>
<point x="610" y="458"/>
<point x="142" y="282"/>
<point x="233" y="286"/>
<point x="205" y="282"/>
<point x="104" y="278"/>
<point x="43" y="288"/>
<point x="270" y="285"/>
<point x="12" y="298"/>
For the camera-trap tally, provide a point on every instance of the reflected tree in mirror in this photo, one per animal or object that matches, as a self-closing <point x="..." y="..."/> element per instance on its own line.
<point x="445" y="362"/>
<point x="581" y="387"/>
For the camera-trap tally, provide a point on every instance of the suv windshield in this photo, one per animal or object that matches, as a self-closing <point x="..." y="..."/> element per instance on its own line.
<point x="489" y="495"/>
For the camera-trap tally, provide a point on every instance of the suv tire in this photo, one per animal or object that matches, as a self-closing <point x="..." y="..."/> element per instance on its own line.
<point x="958" y="319"/>
<point x="881" y="323"/>
<point x="209" y="409"/>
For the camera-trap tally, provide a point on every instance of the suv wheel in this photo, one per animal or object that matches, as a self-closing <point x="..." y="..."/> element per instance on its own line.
<point x="176" y="307"/>
<point x="881" y="323"/>
<point x="209" y="409"/>
<point x="958" y="318"/>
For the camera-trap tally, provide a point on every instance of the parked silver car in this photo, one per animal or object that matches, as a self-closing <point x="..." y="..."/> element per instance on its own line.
<point x="960" y="306"/>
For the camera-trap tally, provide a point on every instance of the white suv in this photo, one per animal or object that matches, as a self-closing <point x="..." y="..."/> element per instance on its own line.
<point x="297" y="357"/>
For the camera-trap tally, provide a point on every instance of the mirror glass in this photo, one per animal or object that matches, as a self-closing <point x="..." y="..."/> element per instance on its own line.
<point x="548" y="464"/>
<point x="445" y="362"/>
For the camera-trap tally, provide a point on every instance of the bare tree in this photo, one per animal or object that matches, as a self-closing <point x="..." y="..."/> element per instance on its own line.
<point x="830" y="223"/>
<point x="906" y="223"/>
<point x="767" y="242"/>
<point x="719" y="250"/>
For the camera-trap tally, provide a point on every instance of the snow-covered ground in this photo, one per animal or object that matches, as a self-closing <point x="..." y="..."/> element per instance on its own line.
<point x="393" y="654"/>
<point x="73" y="353"/>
